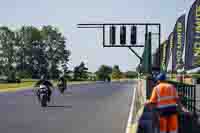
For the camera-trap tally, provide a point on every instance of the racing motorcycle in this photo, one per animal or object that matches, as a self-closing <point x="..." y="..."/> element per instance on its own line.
<point x="43" y="95"/>
<point x="61" y="88"/>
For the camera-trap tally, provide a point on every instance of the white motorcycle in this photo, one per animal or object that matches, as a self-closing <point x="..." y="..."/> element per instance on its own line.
<point x="43" y="95"/>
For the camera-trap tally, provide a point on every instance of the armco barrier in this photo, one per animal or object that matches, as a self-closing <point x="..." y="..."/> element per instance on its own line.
<point x="138" y="105"/>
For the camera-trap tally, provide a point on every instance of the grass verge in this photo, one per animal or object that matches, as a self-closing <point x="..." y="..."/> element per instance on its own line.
<point x="23" y="84"/>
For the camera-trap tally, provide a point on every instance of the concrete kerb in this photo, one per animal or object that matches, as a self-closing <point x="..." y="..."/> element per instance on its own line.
<point x="139" y="96"/>
<point x="129" y="123"/>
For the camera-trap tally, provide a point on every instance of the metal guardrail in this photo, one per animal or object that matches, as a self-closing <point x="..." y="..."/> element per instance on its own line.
<point x="188" y="95"/>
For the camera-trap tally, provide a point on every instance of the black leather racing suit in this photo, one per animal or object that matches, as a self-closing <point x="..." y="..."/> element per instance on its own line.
<point x="48" y="84"/>
<point x="62" y="84"/>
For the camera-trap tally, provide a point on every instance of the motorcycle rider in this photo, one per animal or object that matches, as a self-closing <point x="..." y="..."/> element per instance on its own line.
<point x="62" y="83"/>
<point x="43" y="81"/>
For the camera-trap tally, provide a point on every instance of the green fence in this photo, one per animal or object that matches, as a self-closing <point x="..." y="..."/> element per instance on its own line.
<point x="187" y="94"/>
<point x="188" y="124"/>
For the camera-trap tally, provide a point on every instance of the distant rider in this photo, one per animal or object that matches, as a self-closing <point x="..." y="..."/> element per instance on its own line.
<point x="62" y="84"/>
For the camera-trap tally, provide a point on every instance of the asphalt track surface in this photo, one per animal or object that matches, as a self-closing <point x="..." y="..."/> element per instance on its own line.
<point x="86" y="108"/>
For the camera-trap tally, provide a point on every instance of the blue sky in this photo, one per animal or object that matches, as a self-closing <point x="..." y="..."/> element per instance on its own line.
<point x="85" y="44"/>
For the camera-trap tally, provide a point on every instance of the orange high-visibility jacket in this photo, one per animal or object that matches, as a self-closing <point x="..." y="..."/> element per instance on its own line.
<point x="164" y="95"/>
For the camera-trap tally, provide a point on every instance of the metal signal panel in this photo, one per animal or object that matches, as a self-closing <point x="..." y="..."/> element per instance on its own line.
<point x="123" y="35"/>
<point x="126" y="34"/>
<point x="112" y="35"/>
<point x="133" y="37"/>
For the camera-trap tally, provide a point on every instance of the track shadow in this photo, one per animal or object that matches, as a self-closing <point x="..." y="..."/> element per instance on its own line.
<point x="67" y="92"/>
<point x="60" y="106"/>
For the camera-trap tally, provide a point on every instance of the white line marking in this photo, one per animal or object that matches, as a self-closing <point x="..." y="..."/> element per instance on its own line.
<point x="130" y="113"/>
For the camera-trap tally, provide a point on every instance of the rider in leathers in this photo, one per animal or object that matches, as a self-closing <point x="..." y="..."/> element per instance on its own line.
<point x="48" y="84"/>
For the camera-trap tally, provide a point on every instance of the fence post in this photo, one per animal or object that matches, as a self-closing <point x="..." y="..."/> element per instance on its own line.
<point x="194" y="99"/>
<point x="191" y="97"/>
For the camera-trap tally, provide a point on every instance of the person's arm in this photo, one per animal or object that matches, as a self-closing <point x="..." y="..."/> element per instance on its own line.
<point x="153" y="98"/>
<point x="49" y="83"/>
<point x="37" y="83"/>
<point x="151" y="103"/>
<point x="181" y="107"/>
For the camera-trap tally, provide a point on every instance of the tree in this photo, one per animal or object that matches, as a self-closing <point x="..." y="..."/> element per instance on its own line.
<point x="103" y="72"/>
<point x="30" y="54"/>
<point x="68" y="74"/>
<point x="8" y="53"/>
<point x="91" y="76"/>
<point x="131" y="74"/>
<point x="55" y="51"/>
<point x="41" y="52"/>
<point x="1" y="68"/>
<point x="64" y="63"/>
<point x="80" y="72"/>
<point x="116" y="73"/>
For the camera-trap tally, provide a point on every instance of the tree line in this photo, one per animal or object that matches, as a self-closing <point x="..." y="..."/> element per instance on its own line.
<point x="30" y="52"/>
<point x="103" y="73"/>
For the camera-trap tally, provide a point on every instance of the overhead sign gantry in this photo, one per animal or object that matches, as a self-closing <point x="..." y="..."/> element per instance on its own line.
<point x="138" y="34"/>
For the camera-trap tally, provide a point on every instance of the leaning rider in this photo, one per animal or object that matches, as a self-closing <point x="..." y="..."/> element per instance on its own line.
<point x="62" y="84"/>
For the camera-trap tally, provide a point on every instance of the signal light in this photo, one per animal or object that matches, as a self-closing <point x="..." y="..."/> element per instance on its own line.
<point x="112" y="34"/>
<point x="133" y="35"/>
<point x="123" y="35"/>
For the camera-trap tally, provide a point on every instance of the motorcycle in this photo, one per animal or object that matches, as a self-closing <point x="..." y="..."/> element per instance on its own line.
<point x="43" y="95"/>
<point x="61" y="88"/>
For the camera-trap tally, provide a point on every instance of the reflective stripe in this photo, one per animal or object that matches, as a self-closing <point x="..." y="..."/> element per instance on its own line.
<point x="166" y="98"/>
<point x="166" y="105"/>
<point x="163" y="132"/>
<point x="173" y="131"/>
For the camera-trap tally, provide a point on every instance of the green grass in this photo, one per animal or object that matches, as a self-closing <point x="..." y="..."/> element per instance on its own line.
<point x="195" y="75"/>
<point x="80" y="82"/>
<point x="29" y="80"/>
<point x="73" y="82"/>
<point x="23" y="84"/>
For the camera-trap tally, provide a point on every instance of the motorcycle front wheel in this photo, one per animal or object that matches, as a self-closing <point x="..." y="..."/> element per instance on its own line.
<point x="43" y="101"/>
